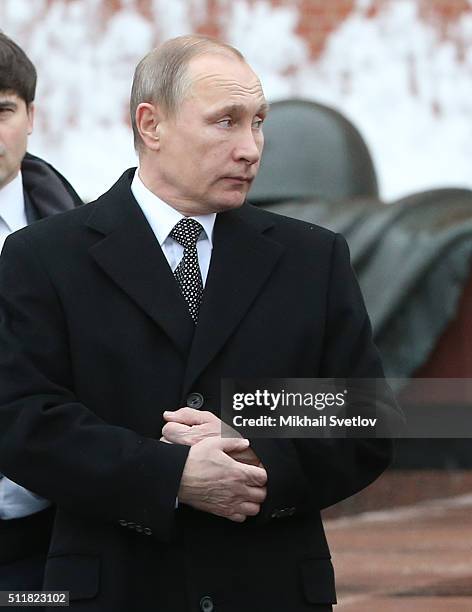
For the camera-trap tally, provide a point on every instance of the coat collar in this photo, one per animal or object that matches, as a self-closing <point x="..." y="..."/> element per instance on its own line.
<point x="243" y="258"/>
<point x="131" y="256"/>
<point x="46" y="191"/>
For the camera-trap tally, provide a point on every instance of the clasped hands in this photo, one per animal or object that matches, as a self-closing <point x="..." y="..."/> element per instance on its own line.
<point x="222" y="476"/>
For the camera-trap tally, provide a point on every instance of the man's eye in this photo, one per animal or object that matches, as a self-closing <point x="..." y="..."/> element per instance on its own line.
<point x="257" y="124"/>
<point x="226" y="123"/>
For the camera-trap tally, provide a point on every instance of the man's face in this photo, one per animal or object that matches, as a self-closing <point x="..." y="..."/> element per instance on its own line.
<point x="16" y="123"/>
<point x="209" y="152"/>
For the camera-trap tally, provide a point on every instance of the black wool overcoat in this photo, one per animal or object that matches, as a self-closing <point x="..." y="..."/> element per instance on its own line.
<point x="96" y="342"/>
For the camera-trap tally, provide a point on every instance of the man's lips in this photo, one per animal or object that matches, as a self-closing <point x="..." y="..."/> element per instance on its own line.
<point x="240" y="179"/>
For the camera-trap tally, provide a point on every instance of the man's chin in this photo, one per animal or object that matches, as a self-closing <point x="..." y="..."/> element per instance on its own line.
<point x="231" y="205"/>
<point x="228" y="202"/>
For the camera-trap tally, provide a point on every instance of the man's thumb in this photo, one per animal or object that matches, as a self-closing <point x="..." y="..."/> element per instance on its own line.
<point x="230" y="445"/>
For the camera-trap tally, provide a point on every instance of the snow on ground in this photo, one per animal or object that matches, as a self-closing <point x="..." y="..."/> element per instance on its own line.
<point x="404" y="87"/>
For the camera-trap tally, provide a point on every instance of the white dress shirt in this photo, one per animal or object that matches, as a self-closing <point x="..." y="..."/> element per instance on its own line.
<point x="12" y="208"/>
<point x="162" y="218"/>
<point x="15" y="501"/>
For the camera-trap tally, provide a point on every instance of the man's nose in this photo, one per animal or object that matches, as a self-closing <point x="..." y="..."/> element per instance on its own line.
<point x="248" y="148"/>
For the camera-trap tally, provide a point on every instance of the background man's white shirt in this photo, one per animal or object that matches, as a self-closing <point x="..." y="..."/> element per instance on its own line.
<point x="12" y="208"/>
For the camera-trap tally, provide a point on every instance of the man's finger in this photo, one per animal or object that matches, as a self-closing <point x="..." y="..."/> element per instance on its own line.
<point x="237" y="518"/>
<point x="256" y="494"/>
<point x="189" y="416"/>
<point x="256" y="476"/>
<point x="229" y="445"/>
<point x="175" y="432"/>
<point x="249" y="508"/>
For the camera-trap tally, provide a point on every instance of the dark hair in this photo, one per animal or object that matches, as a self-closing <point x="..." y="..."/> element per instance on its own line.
<point x="17" y="73"/>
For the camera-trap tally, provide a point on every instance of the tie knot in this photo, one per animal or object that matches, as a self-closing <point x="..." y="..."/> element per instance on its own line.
<point x="186" y="232"/>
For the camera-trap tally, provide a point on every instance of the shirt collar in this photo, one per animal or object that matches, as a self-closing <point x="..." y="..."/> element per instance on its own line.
<point x="12" y="204"/>
<point x="161" y="217"/>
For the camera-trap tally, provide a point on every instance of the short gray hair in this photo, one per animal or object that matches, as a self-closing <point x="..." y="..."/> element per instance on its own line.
<point x="161" y="76"/>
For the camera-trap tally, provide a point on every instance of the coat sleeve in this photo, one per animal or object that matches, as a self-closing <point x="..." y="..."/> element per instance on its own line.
<point x="313" y="473"/>
<point x="49" y="441"/>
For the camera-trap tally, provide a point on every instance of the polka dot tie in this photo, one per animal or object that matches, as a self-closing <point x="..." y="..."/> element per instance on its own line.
<point x="187" y="273"/>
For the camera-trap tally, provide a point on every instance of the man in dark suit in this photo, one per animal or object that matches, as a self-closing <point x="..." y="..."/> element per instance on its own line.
<point x="136" y="306"/>
<point x="30" y="189"/>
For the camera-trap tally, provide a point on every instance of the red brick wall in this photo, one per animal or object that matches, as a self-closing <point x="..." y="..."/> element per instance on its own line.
<point x="318" y="18"/>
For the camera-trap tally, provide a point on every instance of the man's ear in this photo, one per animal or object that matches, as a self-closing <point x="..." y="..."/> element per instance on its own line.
<point x="148" y="119"/>
<point x="30" y="109"/>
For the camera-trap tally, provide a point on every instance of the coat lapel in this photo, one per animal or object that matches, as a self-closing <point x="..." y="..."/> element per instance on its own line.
<point x="131" y="256"/>
<point x="241" y="262"/>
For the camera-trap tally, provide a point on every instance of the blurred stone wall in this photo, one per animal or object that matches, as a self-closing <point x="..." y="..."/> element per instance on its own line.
<point x="401" y="70"/>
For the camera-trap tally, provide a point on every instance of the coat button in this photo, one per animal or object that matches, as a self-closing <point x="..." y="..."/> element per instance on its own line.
<point x="206" y="604"/>
<point x="195" y="400"/>
<point x="147" y="531"/>
<point x="123" y="523"/>
<point x="139" y="528"/>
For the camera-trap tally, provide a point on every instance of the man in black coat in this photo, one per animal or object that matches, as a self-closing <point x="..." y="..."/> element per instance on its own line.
<point x="130" y="312"/>
<point x="30" y="189"/>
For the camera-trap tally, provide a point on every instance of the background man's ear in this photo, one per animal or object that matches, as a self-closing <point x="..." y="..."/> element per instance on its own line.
<point x="148" y="119"/>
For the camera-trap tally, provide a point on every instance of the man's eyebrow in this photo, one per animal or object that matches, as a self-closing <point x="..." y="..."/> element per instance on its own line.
<point x="264" y="108"/>
<point x="7" y="103"/>
<point x="238" y="109"/>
